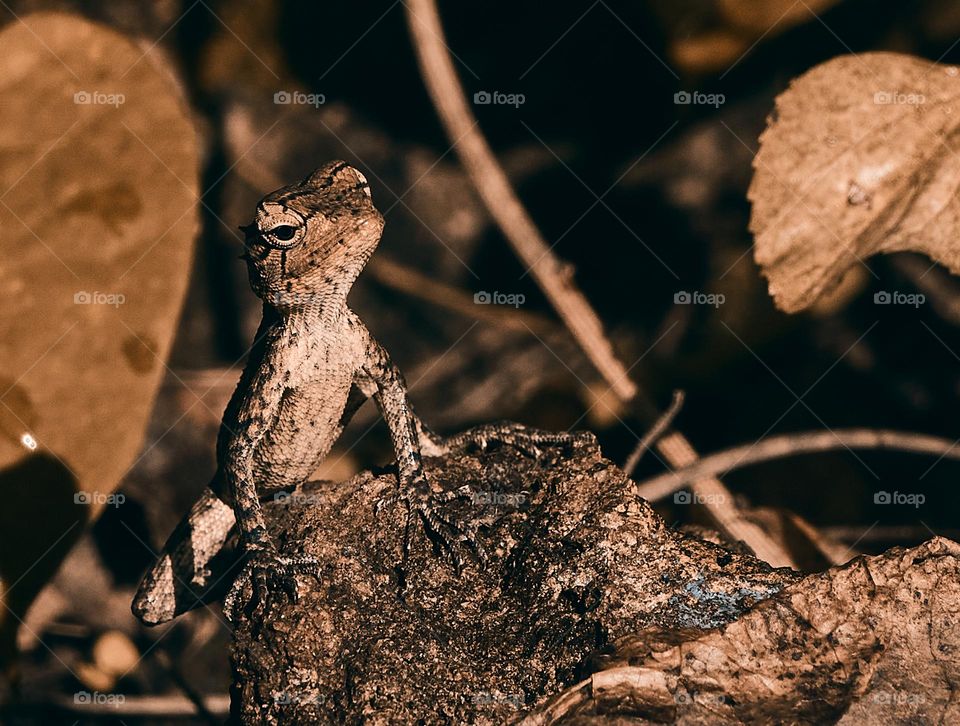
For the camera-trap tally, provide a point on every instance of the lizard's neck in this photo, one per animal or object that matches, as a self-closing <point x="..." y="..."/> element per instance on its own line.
<point x="305" y="307"/>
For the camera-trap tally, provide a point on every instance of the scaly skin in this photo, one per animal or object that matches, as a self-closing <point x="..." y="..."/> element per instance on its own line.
<point x="312" y="365"/>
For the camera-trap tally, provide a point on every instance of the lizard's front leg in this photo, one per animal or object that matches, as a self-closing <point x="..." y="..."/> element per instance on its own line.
<point x="406" y="433"/>
<point x="266" y="570"/>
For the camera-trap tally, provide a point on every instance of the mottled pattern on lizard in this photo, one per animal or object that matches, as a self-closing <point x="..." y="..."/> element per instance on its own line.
<point x="312" y="365"/>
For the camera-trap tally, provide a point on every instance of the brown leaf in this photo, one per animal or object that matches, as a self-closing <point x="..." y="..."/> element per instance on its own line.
<point x="98" y="186"/>
<point x="859" y="157"/>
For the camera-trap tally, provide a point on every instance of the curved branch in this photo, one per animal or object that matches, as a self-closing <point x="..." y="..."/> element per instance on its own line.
<point x="776" y="447"/>
<point x="656" y="431"/>
<point x="552" y="276"/>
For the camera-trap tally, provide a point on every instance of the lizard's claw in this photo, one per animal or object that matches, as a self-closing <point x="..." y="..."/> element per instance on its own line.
<point x="266" y="572"/>
<point x="455" y="539"/>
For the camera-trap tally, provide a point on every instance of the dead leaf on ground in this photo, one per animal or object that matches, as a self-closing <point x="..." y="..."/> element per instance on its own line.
<point x="859" y="157"/>
<point x="98" y="187"/>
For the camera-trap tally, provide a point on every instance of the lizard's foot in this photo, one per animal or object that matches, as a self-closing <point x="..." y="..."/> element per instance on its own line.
<point x="527" y="440"/>
<point x="266" y="572"/>
<point x="455" y="539"/>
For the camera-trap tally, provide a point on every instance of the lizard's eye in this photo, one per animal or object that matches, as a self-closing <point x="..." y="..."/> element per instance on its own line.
<point x="284" y="236"/>
<point x="280" y="228"/>
<point x="284" y="232"/>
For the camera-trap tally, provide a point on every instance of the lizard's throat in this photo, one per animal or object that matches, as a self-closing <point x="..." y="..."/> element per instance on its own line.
<point x="308" y="294"/>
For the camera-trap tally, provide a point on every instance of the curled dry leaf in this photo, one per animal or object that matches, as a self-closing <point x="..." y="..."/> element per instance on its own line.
<point x="98" y="188"/>
<point x="860" y="157"/>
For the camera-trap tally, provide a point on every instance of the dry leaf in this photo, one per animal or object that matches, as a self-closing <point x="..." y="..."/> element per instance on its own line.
<point x="98" y="187"/>
<point x="860" y="157"/>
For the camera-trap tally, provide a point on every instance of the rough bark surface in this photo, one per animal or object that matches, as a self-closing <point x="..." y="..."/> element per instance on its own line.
<point x="873" y="642"/>
<point x="587" y="594"/>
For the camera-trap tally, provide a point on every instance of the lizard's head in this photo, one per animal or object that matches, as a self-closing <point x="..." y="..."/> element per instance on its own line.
<point x="314" y="237"/>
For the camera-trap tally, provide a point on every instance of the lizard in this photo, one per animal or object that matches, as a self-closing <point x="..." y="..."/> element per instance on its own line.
<point x="312" y="364"/>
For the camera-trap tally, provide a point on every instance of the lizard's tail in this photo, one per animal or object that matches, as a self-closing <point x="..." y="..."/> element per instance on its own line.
<point x="182" y="576"/>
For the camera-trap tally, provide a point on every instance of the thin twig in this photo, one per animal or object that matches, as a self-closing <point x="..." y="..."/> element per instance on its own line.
<point x="941" y="288"/>
<point x="776" y="447"/>
<point x="409" y="281"/>
<point x="718" y="502"/>
<point x="183" y="683"/>
<point x="836" y="553"/>
<point x="654" y="433"/>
